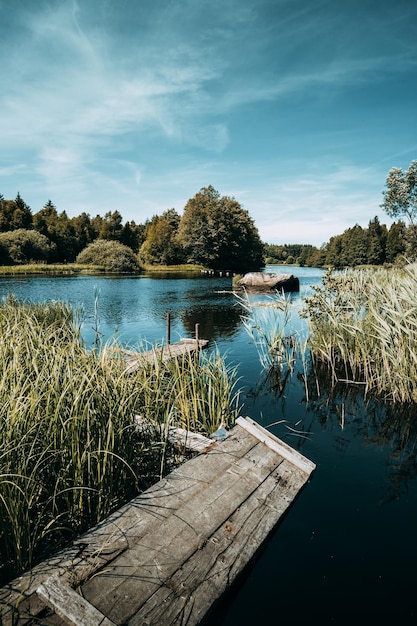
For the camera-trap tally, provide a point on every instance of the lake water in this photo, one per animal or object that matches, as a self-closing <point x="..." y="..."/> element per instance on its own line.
<point x="346" y="551"/>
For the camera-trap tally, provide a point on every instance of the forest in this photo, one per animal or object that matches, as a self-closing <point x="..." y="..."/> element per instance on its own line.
<point x="213" y="231"/>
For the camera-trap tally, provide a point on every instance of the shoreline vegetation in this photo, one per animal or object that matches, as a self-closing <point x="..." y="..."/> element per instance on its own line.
<point x="70" y="448"/>
<point x="363" y="330"/>
<point x="78" y="268"/>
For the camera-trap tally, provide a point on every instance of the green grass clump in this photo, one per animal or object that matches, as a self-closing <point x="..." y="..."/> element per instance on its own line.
<point x="70" y="449"/>
<point x="363" y="327"/>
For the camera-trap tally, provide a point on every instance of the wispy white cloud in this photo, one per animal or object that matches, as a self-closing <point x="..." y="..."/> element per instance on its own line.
<point x="136" y="105"/>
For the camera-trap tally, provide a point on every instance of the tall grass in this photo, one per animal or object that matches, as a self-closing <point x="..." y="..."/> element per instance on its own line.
<point x="268" y="325"/>
<point x="363" y="327"/>
<point x="281" y="350"/>
<point x="70" y="451"/>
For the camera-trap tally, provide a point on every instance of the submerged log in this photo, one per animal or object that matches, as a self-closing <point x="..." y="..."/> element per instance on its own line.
<point x="267" y="281"/>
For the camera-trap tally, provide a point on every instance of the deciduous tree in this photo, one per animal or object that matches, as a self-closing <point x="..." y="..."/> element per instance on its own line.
<point x="161" y="246"/>
<point x="217" y="232"/>
<point x="400" y="193"/>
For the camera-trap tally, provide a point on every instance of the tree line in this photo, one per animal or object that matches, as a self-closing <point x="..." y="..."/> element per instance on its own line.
<point x="374" y="245"/>
<point x="213" y="231"/>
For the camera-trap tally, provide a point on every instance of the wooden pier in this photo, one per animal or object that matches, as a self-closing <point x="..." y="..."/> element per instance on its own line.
<point x="135" y="359"/>
<point x="168" y="555"/>
<point x="164" y="353"/>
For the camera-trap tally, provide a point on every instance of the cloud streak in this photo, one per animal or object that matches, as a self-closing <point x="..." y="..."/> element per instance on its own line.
<point x="109" y="106"/>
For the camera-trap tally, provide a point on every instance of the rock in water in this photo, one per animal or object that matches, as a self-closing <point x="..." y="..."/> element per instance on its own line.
<point x="267" y="281"/>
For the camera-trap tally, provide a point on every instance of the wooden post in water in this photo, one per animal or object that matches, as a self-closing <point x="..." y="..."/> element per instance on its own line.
<point x="168" y="328"/>
<point x="196" y="335"/>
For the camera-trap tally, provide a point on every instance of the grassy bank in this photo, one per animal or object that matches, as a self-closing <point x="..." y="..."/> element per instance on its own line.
<point x="77" y="268"/>
<point x="54" y="268"/>
<point x="70" y="451"/>
<point x="363" y="328"/>
<point x="174" y="268"/>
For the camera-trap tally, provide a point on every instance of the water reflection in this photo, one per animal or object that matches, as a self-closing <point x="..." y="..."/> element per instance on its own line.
<point x="391" y="427"/>
<point x="347" y="546"/>
<point x="214" y="321"/>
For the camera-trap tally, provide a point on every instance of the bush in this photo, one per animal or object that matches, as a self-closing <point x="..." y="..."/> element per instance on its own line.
<point x="23" y="246"/>
<point x="113" y="256"/>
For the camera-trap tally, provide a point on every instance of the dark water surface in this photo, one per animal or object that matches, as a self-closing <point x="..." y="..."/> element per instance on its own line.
<point x="346" y="551"/>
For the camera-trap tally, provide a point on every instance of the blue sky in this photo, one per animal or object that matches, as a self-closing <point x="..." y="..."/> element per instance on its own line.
<point x="297" y="108"/>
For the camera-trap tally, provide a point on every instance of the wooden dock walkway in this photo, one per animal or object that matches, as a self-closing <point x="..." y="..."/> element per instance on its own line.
<point x="168" y="555"/>
<point x="164" y="353"/>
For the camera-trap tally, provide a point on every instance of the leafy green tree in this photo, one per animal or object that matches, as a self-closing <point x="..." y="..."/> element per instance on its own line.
<point x="96" y="224"/>
<point x="161" y="246"/>
<point x="23" y="246"/>
<point x="44" y="221"/>
<point x="305" y="253"/>
<point x="396" y="241"/>
<point x="14" y="214"/>
<point x="348" y="249"/>
<point x="65" y="239"/>
<point x="59" y="229"/>
<point x="84" y="231"/>
<point x="302" y="253"/>
<point x="113" y="256"/>
<point x="377" y="241"/>
<point x="7" y="208"/>
<point x="274" y="253"/>
<point x="133" y="235"/>
<point x="22" y="216"/>
<point x="216" y="232"/>
<point x="400" y="193"/>
<point x="354" y="247"/>
<point x="317" y="258"/>
<point x="333" y="250"/>
<point x="111" y="226"/>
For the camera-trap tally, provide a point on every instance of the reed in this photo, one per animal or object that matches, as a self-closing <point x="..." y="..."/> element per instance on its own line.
<point x="363" y="327"/>
<point x="268" y="325"/>
<point x="203" y="392"/>
<point x="70" y="451"/>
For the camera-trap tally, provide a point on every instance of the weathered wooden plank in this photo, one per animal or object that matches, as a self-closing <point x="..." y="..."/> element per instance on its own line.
<point x="204" y="577"/>
<point x="276" y="444"/>
<point x="103" y="543"/>
<point x="164" y="353"/>
<point x="184" y="438"/>
<point x="139" y="574"/>
<point x="172" y="551"/>
<point x="69" y="605"/>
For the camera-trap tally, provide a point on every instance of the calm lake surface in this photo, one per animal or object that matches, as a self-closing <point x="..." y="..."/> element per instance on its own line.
<point x="346" y="552"/>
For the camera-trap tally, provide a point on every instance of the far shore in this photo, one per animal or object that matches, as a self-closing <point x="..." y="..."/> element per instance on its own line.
<point x="58" y="269"/>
